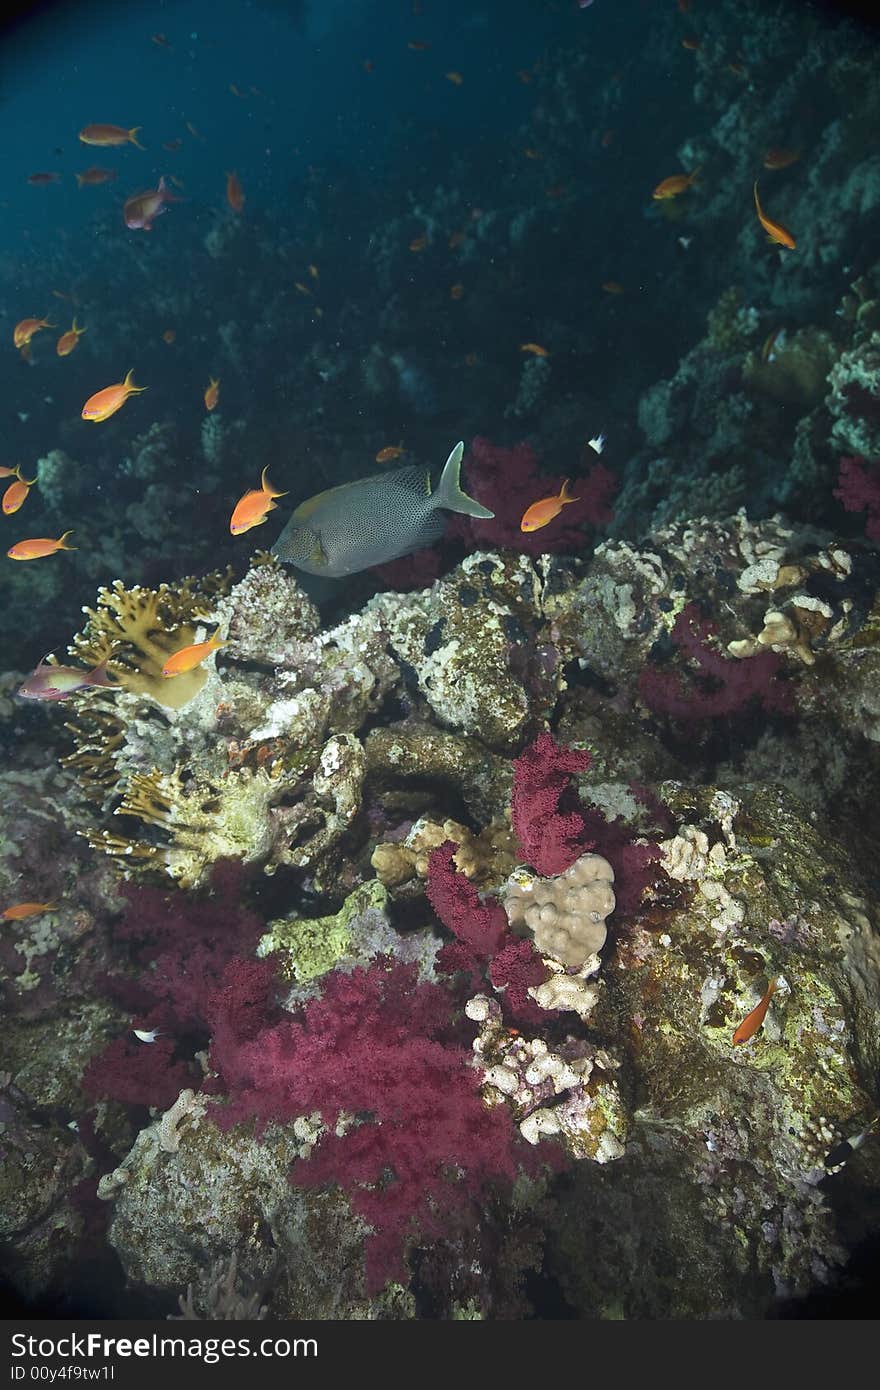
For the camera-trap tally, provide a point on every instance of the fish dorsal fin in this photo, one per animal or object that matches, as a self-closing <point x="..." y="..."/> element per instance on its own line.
<point x="311" y="504"/>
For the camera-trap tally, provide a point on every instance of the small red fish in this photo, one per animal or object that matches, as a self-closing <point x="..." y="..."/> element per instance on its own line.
<point x="212" y="393"/>
<point x="543" y="511"/>
<point x="535" y="349"/>
<point x="109" y="135"/>
<point x="68" y="341"/>
<point x="95" y="175"/>
<point x="43" y="178"/>
<point x="38" y="546"/>
<point x="16" y="494"/>
<point x="234" y="192"/>
<point x="752" y="1021"/>
<point x="253" y="508"/>
<point x="675" y="184"/>
<point x="776" y="233"/>
<point x="25" y="330"/>
<point x="391" y="451"/>
<point x="141" y="211"/>
<point x="22" y="910"/>
<point x="780" y="159"/>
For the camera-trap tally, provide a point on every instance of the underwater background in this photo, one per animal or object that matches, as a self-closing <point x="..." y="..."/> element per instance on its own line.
<point x="467" y="905"/>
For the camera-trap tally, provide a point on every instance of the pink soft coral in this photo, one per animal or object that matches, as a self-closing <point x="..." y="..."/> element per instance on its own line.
<point x="548" y="820"/>
<point x="858" y="488"/>
<point x="381" y="1047"/>
<point x="715" y="685"/>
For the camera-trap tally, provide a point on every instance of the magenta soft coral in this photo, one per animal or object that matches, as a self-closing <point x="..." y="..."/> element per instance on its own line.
<point x="712" y="685"/>
<point x="547" y="817"/>
<point x="858" y="487"/>
<point x="380" y="1046"/>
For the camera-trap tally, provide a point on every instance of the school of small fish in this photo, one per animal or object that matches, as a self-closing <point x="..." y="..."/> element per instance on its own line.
<point x="357" y="524"/>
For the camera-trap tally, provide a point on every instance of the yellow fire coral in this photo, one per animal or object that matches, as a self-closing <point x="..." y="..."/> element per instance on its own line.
<point x="140" y="628"/>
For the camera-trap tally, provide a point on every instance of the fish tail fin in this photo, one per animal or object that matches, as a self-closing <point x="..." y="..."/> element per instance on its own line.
<point x="564" y="494"/>
<point x="266" y="485"/>
<point x="131" y="135"/>
<point x="692" y="177"/>
<point x="449" y="493"/>
<point x="62" y="546"/>
<point x="99" y="675"/>
<point x="129" y="384"/>
<point x="757" y="203"/>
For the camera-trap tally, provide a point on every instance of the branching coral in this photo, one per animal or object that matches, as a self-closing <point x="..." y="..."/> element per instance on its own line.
<point x="140" y="628"/>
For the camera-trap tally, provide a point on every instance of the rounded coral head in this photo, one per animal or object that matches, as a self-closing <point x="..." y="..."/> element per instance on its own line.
<point x="565" y="914"/>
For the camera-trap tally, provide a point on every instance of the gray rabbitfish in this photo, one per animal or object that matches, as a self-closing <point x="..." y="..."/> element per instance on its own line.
<point x="351" y="527"/>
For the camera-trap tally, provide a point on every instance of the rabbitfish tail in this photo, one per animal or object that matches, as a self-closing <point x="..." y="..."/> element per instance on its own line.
<point x="449" y="492"/>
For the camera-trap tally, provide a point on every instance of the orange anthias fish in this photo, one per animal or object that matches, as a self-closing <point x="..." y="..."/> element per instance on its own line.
<point x="776" y="233"/>
<point x="234" y="192"/>
<point x="752" y="1021"/>
<point x="212" y="392"/>
<point x="675" y="184"/>
<point x="455" y="78"/>
<point x="189" y="657"/>
<point x="391" y="451"/>
<point x="535" y="349"/>
<point x="539" y="513"/>
<point x="105" y="403"/>
<point x="38" y="547"/>
<point x="418" y="243"/>
<point x="95" y="175"/>
<point x="456" y="291"/>
<point x="21" y="910"/>
<point x="169" y="335"/>
<point x="780" y="159"/>
<point x="16" y="494"/>
<point x="418" y="45"/>
<point x="68" y="341"/>
<point x="612" y="287"/>
<point x="25" y="330"/>
<point x="109" y="135"/>
<point x="44" y="178"/>
<point x="253" y="508"/>
<point x="141" y="210"/>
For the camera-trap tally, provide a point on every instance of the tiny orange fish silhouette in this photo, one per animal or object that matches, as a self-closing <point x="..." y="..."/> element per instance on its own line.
<point x="752" y="1021"/>
<point x="95" y="175"/>
<point x="109" y="135"/>
<point x="234" y="192"/>
<point x="675" y="184"/>
<point x="455" y="78"/>
<point x="535" y="349"/>
<point x="456" y="291"/>
<point x="25" y="330"/>
<point x="105" y="403"/>
<point x="190" y="657"/>
<point x="253" y="508"/>
<point x="418" y="45"/>
<point x="612" y="287"/>
<point x="169" y="335"/>
<point x="543" y="511"/>
<point x="391" y="451"/>
<point x="212" y="392"/>
<point x="44" y="178"/>
<point x="780" y="159"/>
<point x="776" y="233"/>
<point x="68" y="341"/>
<point x="418" y="243"/>
<point x="21" y="910"/>
<point x="37" y="547"/>
<point x="15" y="495"/>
